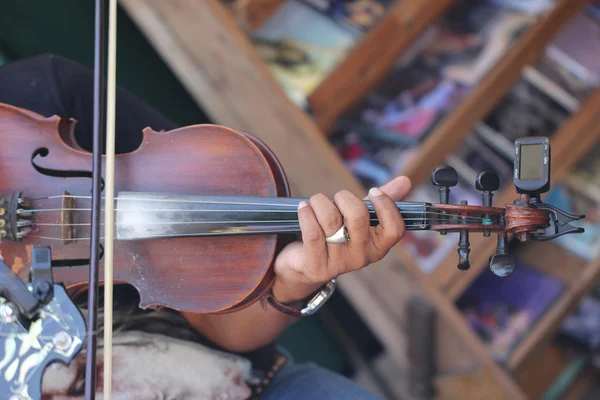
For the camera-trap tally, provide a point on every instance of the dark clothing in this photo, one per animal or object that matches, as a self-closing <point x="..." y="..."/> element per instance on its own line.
<point x="52" y="85"/>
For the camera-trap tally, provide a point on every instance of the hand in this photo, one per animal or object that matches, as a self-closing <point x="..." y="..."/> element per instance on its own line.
<point x="304" y="266"/>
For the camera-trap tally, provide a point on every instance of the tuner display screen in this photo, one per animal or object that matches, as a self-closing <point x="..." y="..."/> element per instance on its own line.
<point x="532" y="162"/>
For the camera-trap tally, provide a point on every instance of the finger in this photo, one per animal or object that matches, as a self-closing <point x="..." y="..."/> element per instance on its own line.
<point x="391" y="226"/>
<point x="327" y="214"/>
<point x="397" y="188"/>
<point x="315" y="247"/>
<point x="357" y="219"/>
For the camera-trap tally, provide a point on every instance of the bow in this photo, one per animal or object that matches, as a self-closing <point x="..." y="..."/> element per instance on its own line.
<point x="100" y="125"/>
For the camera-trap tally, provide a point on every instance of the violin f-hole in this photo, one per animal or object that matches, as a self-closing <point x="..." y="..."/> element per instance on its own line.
<point x="76" y="262"/>
<point x="44" y="152"/>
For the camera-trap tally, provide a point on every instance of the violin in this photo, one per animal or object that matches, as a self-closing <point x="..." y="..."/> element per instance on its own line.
<point x="198" y="214"/>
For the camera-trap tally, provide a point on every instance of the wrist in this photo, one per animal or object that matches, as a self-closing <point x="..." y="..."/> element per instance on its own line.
<point x="292" y="292"/>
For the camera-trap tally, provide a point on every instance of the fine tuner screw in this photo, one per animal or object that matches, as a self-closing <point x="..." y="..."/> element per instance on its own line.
<point x="502" y="264"/>
<point x="487" y="182"/>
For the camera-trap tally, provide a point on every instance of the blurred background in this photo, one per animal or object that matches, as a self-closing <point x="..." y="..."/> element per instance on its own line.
<point x="349" y="94"/>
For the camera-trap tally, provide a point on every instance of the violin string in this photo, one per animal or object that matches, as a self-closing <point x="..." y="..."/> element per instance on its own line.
<point x="451" y="214"/>
<point x="462" y="218"/>
<point x="220" y="202"/>
<point x="248" y="203"/>
<point x="278" y="221"/>
<point x="270" y="231"/>
<point x="159" y="236"/>
<point x="173" y="210"/>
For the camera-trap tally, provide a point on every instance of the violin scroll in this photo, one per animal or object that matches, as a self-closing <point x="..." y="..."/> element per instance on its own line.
<point x="523" y="218"/>
<point x="527" y="218"/>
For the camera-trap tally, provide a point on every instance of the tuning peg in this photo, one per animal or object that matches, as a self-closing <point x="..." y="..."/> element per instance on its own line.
<point x="502" y="264"/>
<point x="487" y="182"/>
<point x="464" y="248"/>
<point x="463" y="251"/>
<point x="444" y="177"/>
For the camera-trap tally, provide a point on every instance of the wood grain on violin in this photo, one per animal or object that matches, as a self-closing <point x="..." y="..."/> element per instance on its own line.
<point x="192" y="273"/>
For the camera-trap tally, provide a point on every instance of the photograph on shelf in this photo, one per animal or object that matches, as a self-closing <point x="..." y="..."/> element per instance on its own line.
<point x="301" y="46"/>
<point x="581" y="329"/>
<point x="476" y="156"/>
<point x="352" y="14"/>
<point x="569" y="69"/>
<point x="502" y="311"/>
<point x="371" y="160"/>
<point x="579" y="332"/>
<point x="593" y="9"/>
<point x="526" y="111"/>
<point x="427" y="83"/>
<point x="532" y="7"/>
<point x="488" y="28"/>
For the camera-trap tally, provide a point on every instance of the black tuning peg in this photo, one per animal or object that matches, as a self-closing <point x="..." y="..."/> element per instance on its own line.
<point x="444" y="177"/>
<point x="502" y="264"/>
<point x="487" y="182"/>
<point x="463" y="251"/>
<point x="464" y="248"/>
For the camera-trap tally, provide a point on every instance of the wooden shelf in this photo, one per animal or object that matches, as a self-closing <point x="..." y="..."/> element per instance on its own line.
<point x="534" y="375"/>
<point x="213" y="57"/>
<point x="577" y="288"/>
<point x="372" y="58"/>
<point x="549" y="257"/>
<point x="252" y="14"/>
<point x="455" y="127"/>
<point x="583" y="383"/>
<point x="206" y="49"/>
<point x="551" y="89"/>
<point x="585" y="125"/>
<point x="552" y="260"/>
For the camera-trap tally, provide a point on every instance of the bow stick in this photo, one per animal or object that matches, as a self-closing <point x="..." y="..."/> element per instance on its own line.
<point x="92" y="322"/>
<point x="99" y="127"/>
<point x="109" y="197"/>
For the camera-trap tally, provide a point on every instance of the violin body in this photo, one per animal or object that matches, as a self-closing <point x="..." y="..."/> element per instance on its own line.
<point x="39" y="158"/>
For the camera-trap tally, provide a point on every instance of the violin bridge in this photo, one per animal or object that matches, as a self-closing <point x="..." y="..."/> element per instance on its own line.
<point x="66" y="218"/>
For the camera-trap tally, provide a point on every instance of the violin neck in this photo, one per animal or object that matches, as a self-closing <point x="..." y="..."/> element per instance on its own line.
<point x="151" y="215"/>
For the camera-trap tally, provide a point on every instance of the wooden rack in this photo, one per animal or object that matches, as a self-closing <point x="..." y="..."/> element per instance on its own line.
<point x="211" y="54"/>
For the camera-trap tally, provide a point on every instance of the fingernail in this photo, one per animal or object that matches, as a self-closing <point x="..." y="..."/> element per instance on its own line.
<point x="302" y="204"/>
<point x="375" y="192"/>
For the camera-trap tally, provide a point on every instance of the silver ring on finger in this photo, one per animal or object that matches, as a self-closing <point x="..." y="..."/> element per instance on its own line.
<point x="341" y="236"/>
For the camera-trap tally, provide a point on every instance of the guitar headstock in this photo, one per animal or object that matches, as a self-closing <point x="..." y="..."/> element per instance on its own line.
<point x="527" y="218"/>
<point x="27" y="346"/>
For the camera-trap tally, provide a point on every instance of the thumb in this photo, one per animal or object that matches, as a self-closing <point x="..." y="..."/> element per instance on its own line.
<point x="291" y="257"/>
